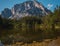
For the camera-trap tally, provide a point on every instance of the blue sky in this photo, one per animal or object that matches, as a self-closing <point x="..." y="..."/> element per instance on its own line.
<point x="50" y="4"/>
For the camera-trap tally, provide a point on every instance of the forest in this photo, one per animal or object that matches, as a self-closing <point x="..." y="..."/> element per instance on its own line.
<point x="30" y="27"/>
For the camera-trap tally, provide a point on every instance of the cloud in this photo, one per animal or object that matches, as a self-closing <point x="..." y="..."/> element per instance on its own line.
<point x="49" y="6"/>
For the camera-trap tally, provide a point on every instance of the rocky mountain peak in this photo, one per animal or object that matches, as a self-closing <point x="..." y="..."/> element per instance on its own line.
<point x="28" y="8"/>
<point x="6" y="13"/>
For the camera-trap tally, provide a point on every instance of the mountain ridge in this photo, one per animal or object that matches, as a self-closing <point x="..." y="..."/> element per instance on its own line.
<point x="27" y="8"/>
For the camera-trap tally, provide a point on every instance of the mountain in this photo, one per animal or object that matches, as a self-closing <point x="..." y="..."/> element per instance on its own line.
<point x="28" y="8"/>
<point x="6" y="13"/>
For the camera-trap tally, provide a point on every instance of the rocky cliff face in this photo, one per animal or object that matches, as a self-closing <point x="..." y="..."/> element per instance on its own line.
<point x="28" y="8"/>
<point x="6" y="13"/>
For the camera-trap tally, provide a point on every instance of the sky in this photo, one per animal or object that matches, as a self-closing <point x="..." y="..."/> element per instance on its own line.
<point x="50" y="4"/>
